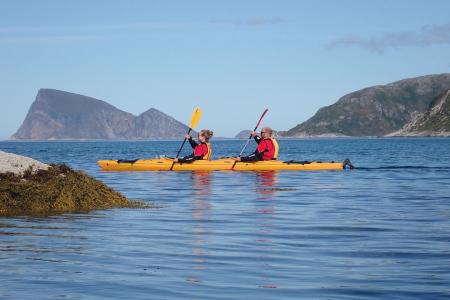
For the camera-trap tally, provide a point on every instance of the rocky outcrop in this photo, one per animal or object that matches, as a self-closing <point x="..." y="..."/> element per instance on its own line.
<point x="62" y="115"/>
<point x="54" y="189"/>
<point x="374" y="111"/>
<point x="434" y="122"/>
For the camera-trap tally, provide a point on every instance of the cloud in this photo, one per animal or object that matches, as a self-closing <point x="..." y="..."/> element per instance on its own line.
<point x="97" y="27"/>
<point x="101" y="32"/>
<point x="424" y="37"/>
<point x="50" y="39"/>
<point x="64" y="34"/>
<point x="251" y="22"/>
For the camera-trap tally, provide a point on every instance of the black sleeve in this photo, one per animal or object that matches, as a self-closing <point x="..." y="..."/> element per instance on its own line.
<point x="257" y="139"/>
<point x="192" y="142"/>
<point x="255" y="156"/>
<point x="189" y="158"/>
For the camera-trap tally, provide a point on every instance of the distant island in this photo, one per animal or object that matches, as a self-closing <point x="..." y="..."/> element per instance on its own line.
<point x="58" y="114"/>
<point x="244" y="134"/>
<point x="411" y="107"/>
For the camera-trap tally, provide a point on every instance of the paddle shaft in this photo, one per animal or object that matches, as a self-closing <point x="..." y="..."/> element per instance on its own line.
<point x="194" y="120"/>
<point x="179" y="151"/>
<point x="182" y="145"/>
<point x="256" y="127"/>
<point x="245" y="146"/>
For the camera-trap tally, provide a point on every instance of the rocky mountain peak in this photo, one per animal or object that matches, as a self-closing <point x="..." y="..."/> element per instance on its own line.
<point x="58" y="114"/>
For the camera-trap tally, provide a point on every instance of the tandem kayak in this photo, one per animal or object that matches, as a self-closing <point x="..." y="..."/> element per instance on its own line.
<point x="165" y="164"/>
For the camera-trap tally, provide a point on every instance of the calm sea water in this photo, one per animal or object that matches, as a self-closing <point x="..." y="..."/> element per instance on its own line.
<point x="378" y="232"/>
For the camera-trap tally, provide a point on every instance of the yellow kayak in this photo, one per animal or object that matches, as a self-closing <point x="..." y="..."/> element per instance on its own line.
<point x="164" y="164"/>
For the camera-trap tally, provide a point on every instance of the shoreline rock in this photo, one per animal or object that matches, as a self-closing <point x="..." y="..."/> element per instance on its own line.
<point x="55" y="189"/>
<point x="18" y="164"/>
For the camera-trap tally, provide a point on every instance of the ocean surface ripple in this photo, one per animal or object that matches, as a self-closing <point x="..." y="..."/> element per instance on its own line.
<point x="380" y="231"/>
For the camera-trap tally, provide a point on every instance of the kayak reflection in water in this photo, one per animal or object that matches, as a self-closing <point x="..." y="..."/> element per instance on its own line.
<point x="267" y="147"/>
<point x="266" y="183"/>
<point x="201" y="183"/>
<point x="202" y="148"/>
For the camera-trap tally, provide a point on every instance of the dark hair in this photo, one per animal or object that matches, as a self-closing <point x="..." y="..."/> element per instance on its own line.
<point x="207" y="134"/>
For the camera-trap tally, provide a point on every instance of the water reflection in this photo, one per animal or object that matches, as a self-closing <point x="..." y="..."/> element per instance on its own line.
<point x="266" y="183"/>
<point x="32" y="240"/>
<point x="201" y="214"/>
<point x="201" y="183"/>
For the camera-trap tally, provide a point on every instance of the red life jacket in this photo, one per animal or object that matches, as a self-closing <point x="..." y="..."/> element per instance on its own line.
<point x="268" y="148"/>
<point x="202" y="150"/>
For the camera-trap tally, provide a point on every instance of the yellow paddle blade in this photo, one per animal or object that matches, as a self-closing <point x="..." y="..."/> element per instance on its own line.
<point x="196" y="115"/>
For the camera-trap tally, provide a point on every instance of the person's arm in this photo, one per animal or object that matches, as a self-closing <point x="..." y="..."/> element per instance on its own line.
<point x="255" y="136"/>
<point x="192" y="142"/>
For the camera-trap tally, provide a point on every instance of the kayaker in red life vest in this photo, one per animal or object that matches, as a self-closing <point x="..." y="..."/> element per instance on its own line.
<point x="202" y="149"/>
<point x="267" y="147"/>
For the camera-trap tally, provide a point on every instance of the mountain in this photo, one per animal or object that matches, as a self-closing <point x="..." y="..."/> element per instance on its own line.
<point x="244" y="134"/>
<point x="62" y="115"/>
<point x="434" y="122"/>
<point x="374" y="111"/>
<point x="155" y="124"/>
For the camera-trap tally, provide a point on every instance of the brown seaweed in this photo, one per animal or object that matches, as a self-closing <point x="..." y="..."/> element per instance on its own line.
<point x="56" y="190"/>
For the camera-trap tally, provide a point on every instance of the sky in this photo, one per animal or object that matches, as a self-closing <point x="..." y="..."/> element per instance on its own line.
<point x="231" y="58"/>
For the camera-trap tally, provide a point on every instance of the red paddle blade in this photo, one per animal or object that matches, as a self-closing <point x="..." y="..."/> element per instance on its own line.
<point x="262" y="116"/>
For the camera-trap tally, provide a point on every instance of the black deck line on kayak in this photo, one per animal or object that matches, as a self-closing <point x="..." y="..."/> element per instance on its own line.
<point x="127" y="161"/>
<point x="304" y="162"/>
<point x="345" y="165"/>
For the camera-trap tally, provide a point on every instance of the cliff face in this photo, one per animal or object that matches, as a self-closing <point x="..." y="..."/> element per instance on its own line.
<point x="434" y="122"/>
<point x="62" y="115"/>
<point x="374" y="111"/>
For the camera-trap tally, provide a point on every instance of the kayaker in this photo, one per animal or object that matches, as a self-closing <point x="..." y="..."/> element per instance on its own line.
<point x="202" y="148"/>
<point x="267" y="147"/>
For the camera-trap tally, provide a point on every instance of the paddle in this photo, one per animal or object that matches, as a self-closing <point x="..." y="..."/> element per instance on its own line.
<point x="256" y="127"/>
<point x="196" y="115"/>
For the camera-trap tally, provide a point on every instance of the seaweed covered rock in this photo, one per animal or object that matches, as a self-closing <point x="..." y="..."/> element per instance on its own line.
<point x="56" y="190"/>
